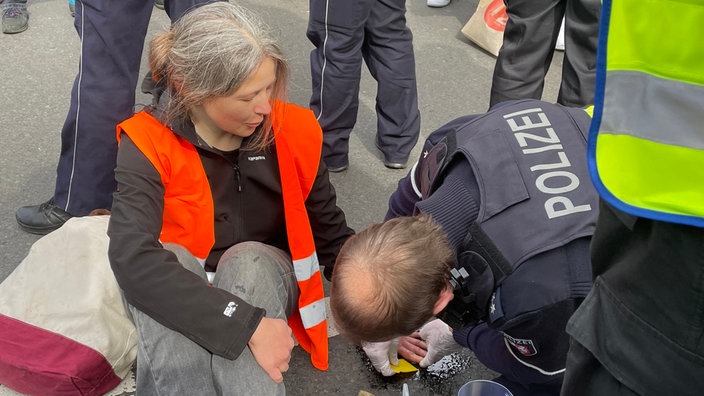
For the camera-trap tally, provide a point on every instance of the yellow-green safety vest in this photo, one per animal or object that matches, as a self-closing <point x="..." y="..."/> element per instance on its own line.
<point x="646" y="142"/>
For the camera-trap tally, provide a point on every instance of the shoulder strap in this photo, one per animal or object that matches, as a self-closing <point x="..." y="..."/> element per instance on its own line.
<point x="433" y="163"/>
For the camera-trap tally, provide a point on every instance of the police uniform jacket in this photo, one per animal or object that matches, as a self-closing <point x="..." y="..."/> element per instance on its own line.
<point x="519" y="172"/>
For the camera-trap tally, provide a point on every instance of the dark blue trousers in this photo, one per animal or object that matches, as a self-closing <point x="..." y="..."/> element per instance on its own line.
<point x="112" y="35"/>
<point x="345" y="32"/>
<point x="529" y="44"/>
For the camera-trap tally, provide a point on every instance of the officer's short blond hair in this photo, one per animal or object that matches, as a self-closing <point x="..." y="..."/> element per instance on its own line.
<point x="388" y="277"/>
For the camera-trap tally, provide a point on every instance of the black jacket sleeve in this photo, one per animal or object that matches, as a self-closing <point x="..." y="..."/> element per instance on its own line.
<point x="150" y="276"/>
<point x="327" y="221"/>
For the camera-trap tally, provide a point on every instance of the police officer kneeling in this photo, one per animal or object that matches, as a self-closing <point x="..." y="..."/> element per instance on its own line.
<point x="489" y="232"/>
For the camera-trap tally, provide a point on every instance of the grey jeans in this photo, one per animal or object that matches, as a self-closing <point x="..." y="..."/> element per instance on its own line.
<point x="168" y="363"/>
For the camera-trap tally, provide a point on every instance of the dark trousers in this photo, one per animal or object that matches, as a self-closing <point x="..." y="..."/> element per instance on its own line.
<point x="112" y="35"/>
<point x="344" y="33"/>
<point x="529" y="43"/>
<point x="641" y="328"/>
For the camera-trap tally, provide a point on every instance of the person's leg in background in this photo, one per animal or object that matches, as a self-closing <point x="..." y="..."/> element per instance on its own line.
<point x="112" y="37"/>
<point x="336" y="29"/>
<point x="579" y="62"/>
<point x="175" y="8"/>
<point x="111" y="40"/>
<point x="388" y="53"/>
<point x="15" y="16"/>
<point x="525" y="56"/>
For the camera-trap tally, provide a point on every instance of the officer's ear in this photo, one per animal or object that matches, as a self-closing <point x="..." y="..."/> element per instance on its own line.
<point x="445" y="297"/>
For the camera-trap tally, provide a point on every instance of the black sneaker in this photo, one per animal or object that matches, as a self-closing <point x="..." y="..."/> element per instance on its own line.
<point x="15" y="19"/>
<point x="338" y="169"/>
<point x="41" y="219"/>
<point x="395" y="165"/>
<point x="387" y="163"/>
<point x="159" y="4"/>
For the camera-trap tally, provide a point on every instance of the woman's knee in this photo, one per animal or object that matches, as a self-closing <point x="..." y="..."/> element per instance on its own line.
<point x="251" y="266"/>
<point x="258" y="255"/>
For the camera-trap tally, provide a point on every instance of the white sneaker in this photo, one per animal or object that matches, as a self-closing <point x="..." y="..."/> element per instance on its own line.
<point x="438" y="3"/>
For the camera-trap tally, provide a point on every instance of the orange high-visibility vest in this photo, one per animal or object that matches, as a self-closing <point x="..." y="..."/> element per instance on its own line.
<point x="298" y="140"/>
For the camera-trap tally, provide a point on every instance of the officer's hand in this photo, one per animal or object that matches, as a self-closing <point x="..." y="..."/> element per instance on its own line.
<point x="271" y="346"/>
<point x="382" y="355"/>
<point x="438" y="336"/>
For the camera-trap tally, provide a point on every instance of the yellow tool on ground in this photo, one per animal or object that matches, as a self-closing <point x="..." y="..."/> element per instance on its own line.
<point x="403" y="367"/>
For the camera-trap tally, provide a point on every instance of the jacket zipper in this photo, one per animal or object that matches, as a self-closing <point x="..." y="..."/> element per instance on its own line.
<point x="238" y="176"/>
<point x="236" y="167"/>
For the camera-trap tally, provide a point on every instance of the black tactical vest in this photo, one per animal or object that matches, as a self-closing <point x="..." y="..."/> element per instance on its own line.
<point x="529" y="159"/>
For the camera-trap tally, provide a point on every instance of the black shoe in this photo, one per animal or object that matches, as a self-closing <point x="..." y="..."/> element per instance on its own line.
<point x="389" y="164"/>
<point x="394" y="165"/>
<point x="159" y="4"/>
<point x="41" y="219"/>
<point x="337" y="169"/>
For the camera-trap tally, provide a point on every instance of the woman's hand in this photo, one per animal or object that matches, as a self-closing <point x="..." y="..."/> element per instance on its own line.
<point x="271" y="345"/>
<point x="412" y="348"/>
<point x="433" y="342"/>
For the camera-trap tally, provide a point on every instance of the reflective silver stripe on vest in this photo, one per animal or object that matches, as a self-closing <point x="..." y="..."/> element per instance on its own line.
<point x="663" y="106"/>
<point x="306" y="267"/>
<point x="313" y="314"/>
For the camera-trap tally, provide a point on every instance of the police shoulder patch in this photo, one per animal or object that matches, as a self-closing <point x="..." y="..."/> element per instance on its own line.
<point x="525" y="347"/>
